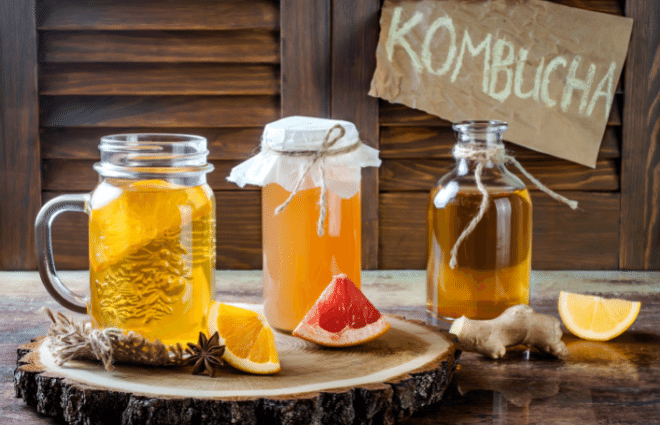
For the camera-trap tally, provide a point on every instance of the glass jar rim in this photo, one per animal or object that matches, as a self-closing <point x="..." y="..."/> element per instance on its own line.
<point x="480" y="126"/>
<point x="130" y="154"/>
<point x="147" y="137"/>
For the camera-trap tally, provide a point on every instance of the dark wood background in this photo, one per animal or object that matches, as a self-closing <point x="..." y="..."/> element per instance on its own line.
<point x="73" y="70"/>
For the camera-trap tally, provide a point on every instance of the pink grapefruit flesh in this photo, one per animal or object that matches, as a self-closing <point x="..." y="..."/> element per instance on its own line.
<point x="341" y="317"/>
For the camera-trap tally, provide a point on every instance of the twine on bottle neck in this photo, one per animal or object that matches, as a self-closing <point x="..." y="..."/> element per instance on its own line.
<point x="494" y="154"/>
<point x="316" y="156"/>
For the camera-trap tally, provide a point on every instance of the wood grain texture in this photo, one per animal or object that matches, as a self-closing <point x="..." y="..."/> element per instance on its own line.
<point x="355" y="35"/>
<point x="238" y="46"/>
<point x="606" y="6"/>
<point x="571" y="240"/>
<point x="238" y="233"/>
<point x="640" y="175"/>
<point x="437" y="142"/>
<point x="156" y="15"/>
<point x="64" y="175"/>
<point x="20" y="192"/>
<point x="83" y="142"/>
<point x="382" y="382"/>
<point x="157" y="111"/>
<point x="402" y="115"/>
<point x="199" y="56"/>
<point x="562" y="239"/>
<point x="158" y="78"/>
<point x="421" y="174"/>
<point x="621" y="388"/>
<point x="305" y="57"/>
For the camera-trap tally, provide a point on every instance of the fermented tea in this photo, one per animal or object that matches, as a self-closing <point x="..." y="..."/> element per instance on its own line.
<point x="151" y="238"/>
<point x="310" y="173"/>
<point x="479" y="231"/>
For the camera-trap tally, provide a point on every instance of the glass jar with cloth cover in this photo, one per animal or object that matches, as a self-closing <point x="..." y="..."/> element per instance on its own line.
<point x="310" y="173"/>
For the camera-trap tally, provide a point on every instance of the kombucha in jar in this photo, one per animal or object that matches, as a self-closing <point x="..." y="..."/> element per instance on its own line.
<point x="298" y="263"/>
<point x="493" y="262"/>
<point x="310" y="173"/>
<point x="152" y="257"/>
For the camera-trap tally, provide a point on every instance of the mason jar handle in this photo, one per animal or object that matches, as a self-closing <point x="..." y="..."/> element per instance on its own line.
<point x="44" y="246"/>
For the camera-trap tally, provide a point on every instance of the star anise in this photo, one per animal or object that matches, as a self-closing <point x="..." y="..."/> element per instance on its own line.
<point x="205" y="355"/>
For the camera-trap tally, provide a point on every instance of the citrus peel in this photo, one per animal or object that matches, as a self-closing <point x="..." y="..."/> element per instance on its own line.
<point x="595" y="318"/>
<point x="248" y="339"/>
<point x="341" y="317"/>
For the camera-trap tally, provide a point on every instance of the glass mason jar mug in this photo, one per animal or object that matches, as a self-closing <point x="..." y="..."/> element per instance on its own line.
<point x="479" y="230"/>
<point x="151" y="238"/>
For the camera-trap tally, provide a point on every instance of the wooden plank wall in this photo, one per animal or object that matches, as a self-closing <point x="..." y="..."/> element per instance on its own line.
<point x="181" y="66"/>
<point x="224" y="69"/>
<point x="640" y="180"/>
<point x="19" y="137"/>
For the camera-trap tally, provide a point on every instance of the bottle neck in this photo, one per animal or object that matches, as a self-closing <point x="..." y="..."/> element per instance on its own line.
<point x="480" y="158"/>
<point x="466" y="167"/>
<point x="479" y="142"/>
<point x="479" y="138"/>
<point x="481" y="147"/>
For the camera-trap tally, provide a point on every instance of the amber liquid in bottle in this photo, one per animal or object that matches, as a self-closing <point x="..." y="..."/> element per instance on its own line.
<point x="494" y="261"/>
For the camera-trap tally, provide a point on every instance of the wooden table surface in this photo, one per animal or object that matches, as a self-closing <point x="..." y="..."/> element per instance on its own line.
<point x="613" y="382"/>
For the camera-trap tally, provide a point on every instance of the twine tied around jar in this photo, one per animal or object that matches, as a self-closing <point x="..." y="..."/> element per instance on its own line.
<point x="495" y="154"/>
<point x="316" y="156"/>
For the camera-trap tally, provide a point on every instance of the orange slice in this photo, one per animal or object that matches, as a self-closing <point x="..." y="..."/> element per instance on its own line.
<point x="126" y="217"/>
<point x="341" y="317"/>
<point x="595" y="318"/>
<point x="249" y="341"/>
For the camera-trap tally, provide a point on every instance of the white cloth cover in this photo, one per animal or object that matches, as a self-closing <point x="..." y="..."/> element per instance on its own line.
<point x="295" y="133"/>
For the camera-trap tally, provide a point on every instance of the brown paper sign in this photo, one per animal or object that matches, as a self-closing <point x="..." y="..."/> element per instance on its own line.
<point x="550" y="71"/>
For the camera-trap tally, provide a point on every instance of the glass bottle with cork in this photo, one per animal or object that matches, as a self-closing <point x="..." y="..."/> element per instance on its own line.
<point x="479" y="230"/>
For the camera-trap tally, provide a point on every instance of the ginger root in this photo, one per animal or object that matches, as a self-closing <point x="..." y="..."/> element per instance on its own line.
<point x="517" y="325"/>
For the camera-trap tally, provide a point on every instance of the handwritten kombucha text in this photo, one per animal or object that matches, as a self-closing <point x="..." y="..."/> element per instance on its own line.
<point x="506" y="70"/>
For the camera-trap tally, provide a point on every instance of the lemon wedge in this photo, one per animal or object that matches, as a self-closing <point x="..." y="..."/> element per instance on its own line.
<point x="595" y="318"/>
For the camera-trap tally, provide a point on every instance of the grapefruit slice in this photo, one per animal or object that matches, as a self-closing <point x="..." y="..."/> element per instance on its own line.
<point x="341" y="317"/>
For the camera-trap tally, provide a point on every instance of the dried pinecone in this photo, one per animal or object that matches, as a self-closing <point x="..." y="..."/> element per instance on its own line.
<point x="205" y="355"/>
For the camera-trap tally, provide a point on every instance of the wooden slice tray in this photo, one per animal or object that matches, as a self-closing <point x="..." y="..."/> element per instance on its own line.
<point x="384" y="381"/>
